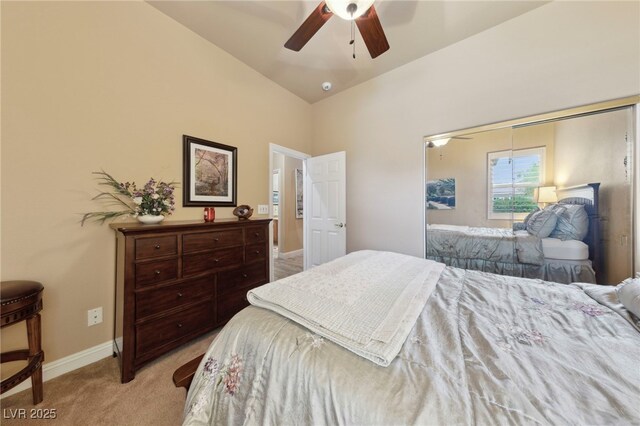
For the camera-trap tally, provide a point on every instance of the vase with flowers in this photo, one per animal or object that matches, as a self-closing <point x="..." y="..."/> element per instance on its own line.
<point x="149" y="204"/>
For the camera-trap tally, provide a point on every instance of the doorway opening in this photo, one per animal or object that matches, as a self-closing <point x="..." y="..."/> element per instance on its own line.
<point x="286" y="188"/>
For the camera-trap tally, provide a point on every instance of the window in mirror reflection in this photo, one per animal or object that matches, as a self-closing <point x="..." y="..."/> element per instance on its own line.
<point x="513" y="178"/>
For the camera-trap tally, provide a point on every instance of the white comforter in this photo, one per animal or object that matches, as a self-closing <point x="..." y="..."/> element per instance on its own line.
<point x="367" y="301"/>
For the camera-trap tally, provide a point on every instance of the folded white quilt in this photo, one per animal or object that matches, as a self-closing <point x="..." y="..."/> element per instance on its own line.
<point x="367" y="301"/>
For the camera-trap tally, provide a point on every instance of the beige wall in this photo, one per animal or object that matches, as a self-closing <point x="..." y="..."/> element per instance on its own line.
<point x="466" y="161"/>
<point x="113" y="86"/>
<point x="593" y="149"/>
<point x="548" y="59"/>
<point x="291" y="230"/>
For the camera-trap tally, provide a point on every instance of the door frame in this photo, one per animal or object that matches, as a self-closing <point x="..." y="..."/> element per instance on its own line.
<point x="273" y="149"/>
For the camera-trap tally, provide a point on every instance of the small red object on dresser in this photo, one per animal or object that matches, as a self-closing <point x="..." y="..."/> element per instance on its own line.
<point x="209" y="214"/>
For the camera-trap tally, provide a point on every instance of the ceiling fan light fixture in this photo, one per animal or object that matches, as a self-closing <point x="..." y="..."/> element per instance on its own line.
<point x="441" y="142"/>
<point x="345" y="8"/>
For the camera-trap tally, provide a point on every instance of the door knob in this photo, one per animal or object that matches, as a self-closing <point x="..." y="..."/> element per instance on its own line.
<point x="341" y="225"/>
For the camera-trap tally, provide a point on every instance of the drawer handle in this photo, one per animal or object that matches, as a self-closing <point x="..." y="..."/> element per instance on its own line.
<point x="157" y="272"/>
<point x="157" y="246"/>
<point x="244" y="275"/>
<point x="179" y="294"/>
<point x="216" y="260"/>
<point x="179" y="325"/>
<point x="257" y="234"/>
<point x="216" y="240"/>
<point x="257" y="251"/>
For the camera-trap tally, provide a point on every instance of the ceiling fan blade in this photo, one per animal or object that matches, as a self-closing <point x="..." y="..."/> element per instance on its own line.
<point x="309" y="27"/>
<point x="372" y="33"/>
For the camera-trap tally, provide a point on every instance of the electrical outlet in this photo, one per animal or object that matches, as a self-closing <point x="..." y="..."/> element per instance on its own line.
<point x="263" y="209"/>
<point x="94" y="316"/>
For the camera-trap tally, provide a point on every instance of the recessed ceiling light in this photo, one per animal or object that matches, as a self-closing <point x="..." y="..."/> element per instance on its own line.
<point x="326" y="86"/>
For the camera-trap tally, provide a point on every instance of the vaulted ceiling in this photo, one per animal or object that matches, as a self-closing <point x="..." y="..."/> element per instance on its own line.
<point x="255" y="32"/>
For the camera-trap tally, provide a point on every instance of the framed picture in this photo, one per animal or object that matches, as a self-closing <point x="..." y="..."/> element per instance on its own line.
<point x="441" y="194"/>
<point x="210" y="173"/>
<point x="299" y="192"/>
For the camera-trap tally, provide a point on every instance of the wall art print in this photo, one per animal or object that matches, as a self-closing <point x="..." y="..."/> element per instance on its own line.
<point x="441" y="194"/>
<point x="209" y="173"/>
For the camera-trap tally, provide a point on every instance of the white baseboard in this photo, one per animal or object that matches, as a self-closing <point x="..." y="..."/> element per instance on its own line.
<point x="69" y="363"/>
<point x="290" y="254"/>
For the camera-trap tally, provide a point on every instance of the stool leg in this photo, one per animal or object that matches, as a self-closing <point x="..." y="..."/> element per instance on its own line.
<point x="35" y="348"/>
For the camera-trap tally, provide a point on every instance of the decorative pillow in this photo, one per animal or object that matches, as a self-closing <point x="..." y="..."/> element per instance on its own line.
<point x="556" y="208"/>
<point x="519" y="226"/>
<point x="526" y="219"/>
<point x="542" y="223"/>
<point x="573" y="223"/>
<point x="629" y="295"/>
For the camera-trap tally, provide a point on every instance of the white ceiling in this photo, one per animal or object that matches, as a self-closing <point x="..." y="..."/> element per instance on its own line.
<point x="255" y="33"/>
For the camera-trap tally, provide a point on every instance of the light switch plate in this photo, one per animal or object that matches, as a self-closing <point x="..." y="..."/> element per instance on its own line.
<point x="263" y="209"/>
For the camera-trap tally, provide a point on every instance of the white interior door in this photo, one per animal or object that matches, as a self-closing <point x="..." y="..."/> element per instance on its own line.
<point x="325" y="208"/>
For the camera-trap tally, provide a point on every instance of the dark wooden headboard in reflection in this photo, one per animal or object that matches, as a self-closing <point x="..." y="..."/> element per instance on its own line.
<point x="587" y="195"/>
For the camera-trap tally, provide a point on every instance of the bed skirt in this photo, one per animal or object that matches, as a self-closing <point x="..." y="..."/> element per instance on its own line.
<point x="559" y="271"/>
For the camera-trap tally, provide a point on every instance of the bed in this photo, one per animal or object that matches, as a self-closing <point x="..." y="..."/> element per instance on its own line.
<point x="484" y="349"/>
<point x="518" y="253"/>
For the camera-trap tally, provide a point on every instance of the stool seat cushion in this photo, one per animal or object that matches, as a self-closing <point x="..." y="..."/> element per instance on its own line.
<point x="12" y="291"/>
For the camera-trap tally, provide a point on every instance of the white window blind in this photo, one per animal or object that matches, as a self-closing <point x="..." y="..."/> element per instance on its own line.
<point x="513" y="176"/>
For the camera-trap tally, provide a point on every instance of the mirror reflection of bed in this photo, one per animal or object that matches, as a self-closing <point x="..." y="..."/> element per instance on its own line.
<point x="482" y="187"/>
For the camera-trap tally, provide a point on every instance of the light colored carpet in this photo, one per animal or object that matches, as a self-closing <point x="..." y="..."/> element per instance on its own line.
<point x="93" y="395"/>
<point x="285" y="267"/>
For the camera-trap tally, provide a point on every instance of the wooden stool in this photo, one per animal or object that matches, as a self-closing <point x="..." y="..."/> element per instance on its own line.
<point x="183" y="376"/>
<point x="22" y="300"/>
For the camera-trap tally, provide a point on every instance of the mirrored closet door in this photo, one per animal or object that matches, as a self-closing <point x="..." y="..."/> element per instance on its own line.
<point x="548" y="198"/>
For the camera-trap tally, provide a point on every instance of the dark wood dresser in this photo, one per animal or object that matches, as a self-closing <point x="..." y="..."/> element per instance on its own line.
<point x="177" y="280"/>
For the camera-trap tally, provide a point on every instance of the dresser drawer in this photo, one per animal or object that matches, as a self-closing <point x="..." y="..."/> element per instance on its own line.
<point x="156" y="272"/>
<point x="255" y="252"/>
<point x="159" y="300"/>
<point x="243" y="278"/>
<point x="147" y="248"/>
<point x="210" y="240"/>
<point x="212" y="261"/>
<point x="255" y="234"/>
<point x="154" y="334"/>
<point x="230" y="305"/>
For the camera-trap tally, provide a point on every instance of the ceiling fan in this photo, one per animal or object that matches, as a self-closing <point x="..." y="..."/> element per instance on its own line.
<point x="360" y="11"/>
<point x="443" y="141"/>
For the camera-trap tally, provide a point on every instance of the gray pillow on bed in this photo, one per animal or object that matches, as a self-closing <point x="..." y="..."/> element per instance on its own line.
<point x="526" y="219"/>
<point x="573" y="223"/>
<point x="629" y="295"/>
<point x="522" y="226"/>
<point x="519" y="226"/>
<point x="542" y="223"/>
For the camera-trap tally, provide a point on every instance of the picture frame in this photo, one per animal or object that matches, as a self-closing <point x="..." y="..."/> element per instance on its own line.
<point x="299" y="194"/>
<point x="210" y="173"/>
<point x="441" y="194"/>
